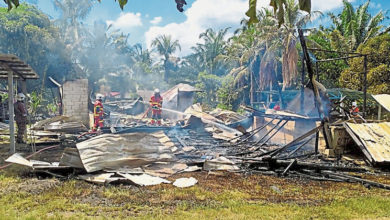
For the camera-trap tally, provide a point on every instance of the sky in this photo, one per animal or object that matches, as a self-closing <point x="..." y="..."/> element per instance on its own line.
<point x="144" y="20"/>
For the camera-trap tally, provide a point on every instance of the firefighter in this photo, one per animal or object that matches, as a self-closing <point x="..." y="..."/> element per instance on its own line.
<point x="98" y="112"/>
<point x="354" y="110"/>
<point x="20" y="117"/>
<point x="156" y="104"/>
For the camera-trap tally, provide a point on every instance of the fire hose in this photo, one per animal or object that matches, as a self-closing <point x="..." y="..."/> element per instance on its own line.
<point x="143" y="116"/>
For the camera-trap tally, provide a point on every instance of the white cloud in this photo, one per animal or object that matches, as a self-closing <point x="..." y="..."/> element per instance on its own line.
<point x="216" y="14"/>
<point x="375" y="6"/>
<point x="201" y="15"/>
<point x="126" y="21"/>
<point x="156" y="20"/>
<point x="327" y="5"/>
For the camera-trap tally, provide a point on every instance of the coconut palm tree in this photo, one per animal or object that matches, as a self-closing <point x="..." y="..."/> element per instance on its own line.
<point x="143" y="63"/>
<point x="294" y="19"/>
<point x="267" y="52"/>
<point x="279" y="43"/>
<point x="166" y="46"/>
<point x="214" y="45"/>
<point x="356" y="26"/>
<point x="72" y="12"/>
<point x="247" y="48"/>
<point x="73" y="32"/>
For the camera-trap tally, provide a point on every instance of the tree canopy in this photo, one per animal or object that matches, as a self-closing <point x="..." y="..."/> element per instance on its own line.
<point x="378" y="63"/>
<point x="259" y="59"/>
<point x="29" y="34"/>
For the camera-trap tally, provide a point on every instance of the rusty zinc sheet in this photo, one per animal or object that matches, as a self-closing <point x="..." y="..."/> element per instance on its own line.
<point x="383" y="100"/>
<point x="125" y="151"/>
<point x="373" y="139"/>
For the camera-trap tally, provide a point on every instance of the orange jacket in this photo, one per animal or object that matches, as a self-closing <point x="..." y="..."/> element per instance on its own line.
<point x="354" y="110"/>
<point x="156" y="102"/>
<point x="98" y="109"/>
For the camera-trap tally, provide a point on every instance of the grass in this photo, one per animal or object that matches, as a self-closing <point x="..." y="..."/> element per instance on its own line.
<point x="229" y="196"/>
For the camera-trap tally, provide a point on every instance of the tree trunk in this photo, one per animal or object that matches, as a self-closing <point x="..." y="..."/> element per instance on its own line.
<point x="166" y="69"/>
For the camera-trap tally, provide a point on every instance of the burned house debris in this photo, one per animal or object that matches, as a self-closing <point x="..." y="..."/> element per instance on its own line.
<point x="305" y="134"/>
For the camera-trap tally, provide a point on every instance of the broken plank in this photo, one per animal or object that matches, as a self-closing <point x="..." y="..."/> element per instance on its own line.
<point x="319" y="166"/>
<point x="293" y="162"/>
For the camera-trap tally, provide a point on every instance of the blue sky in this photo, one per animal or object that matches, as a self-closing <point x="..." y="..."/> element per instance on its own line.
<point x="145" y="21"/>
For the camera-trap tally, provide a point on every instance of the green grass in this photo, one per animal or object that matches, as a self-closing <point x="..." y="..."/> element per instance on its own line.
<point x="353" y="208"/>
<point x="236" y="197"/>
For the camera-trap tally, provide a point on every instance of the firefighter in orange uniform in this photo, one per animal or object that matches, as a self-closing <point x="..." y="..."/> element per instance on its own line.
<point x="98" y="112"/>
<point x="156" y="104"/>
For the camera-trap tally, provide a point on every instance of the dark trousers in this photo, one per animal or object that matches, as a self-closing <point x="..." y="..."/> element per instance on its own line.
<point x="21" y="130"/>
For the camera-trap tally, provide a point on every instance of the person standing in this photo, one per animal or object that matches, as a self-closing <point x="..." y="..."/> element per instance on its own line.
<point x="20" y="117"/>
<point x="98" y="113"/>
<point x="156" y="102"/>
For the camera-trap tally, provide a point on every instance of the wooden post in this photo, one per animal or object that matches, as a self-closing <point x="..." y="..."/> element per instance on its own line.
<point x="379" y="112"/>
<point x="365" y="87"/>
<point x="252" y="86"/>
<point x="317" y="98"/>
<point x="317" y="142"/>
<point x="303" y="86"/>
<point x="11" y="111"/>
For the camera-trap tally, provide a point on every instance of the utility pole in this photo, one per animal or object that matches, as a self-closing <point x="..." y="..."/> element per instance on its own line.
<point x="11" y="111"/>
<point x="365" y="87"/>
<point x="303" y="86"/>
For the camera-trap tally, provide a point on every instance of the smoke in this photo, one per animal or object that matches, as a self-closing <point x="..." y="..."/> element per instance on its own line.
<point x="103" y="54"/>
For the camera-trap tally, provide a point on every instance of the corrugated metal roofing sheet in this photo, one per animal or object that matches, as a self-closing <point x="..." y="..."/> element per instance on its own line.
<point x="373" y="139"/>
<point x="383" y="100"/>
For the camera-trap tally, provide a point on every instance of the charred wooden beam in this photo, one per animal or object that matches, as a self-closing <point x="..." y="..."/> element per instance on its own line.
<point x="301" y="138"/>
<point x="317" y="98"/>
<point x="357" y="179"/>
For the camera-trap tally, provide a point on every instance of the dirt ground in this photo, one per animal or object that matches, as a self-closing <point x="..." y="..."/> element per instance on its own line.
<point x="218" y="195"/>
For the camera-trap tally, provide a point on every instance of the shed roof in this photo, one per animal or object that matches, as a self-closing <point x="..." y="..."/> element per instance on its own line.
<point x="383" y="100"/>
<point x="19" y="68"/>
<point x="181" y="87"/>
<point x="373" y="139"/>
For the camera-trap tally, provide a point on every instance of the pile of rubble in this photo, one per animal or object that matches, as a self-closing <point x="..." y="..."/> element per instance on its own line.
<point x="220" y="140"/>
<point x="139" y="154"/>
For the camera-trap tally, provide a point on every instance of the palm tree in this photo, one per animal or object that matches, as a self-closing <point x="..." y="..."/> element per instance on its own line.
<point x="248" y="47"/>
<point x="356" y="26"/>
<point x="293" y="20"/>
<point x="72" y="12"/>
<point x="214" y="45"/>
<point x="166" y="46"/>
<point x="143" y="63"/>
<point x="260" y="50"/>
